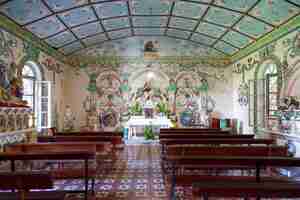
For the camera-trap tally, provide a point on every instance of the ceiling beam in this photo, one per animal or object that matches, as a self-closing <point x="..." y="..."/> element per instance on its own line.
<point x="100" y="21"/>
<point x="169" y="18"/>
<point x="62" y="21"/>
<point x="295" y="4"/>
<point x="290" y="26"/>
<point x="200" y="19"/>
<point x="234" y="24"/>
<point x="130" y="18"/>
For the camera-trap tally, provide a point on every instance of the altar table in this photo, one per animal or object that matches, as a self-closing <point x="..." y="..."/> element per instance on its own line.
<point x="141" y="122"/>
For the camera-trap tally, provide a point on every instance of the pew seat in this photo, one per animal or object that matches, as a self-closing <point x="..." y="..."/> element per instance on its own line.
<point x="188" y="180"/>
<point x="38" y="195"/>
<point x="26" y="181"/>
<point x="246" y="189"/>
<point x="257" y="162"/>
<point x="204" y="135"/>
<point x="59" y="168"/>
<point x="116" y="141"/>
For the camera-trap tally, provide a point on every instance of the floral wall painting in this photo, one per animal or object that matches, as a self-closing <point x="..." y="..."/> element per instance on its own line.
<point x="243" y="96"/>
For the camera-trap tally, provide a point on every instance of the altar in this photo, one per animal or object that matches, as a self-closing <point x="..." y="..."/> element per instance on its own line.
<point x="141" y="122"/>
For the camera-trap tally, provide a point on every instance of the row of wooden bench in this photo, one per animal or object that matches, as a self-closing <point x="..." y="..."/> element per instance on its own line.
<point x="208" y="151"/>
<point x="62" y="149"/>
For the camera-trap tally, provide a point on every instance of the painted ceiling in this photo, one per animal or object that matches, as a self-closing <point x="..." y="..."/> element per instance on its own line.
<point x="205" y="26"/>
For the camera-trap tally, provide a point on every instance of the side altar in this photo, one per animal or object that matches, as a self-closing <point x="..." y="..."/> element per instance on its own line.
<point x="136" y="122"/>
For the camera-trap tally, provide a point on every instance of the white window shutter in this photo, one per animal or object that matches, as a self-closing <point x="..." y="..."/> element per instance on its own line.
<point x="43" y="112"/>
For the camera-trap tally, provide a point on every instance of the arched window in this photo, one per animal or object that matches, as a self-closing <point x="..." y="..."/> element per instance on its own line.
<point x="272" y="95"/>
<point x="29" y="81"/>
<point x="266" y="96"/>
<point x="37" y="93"/>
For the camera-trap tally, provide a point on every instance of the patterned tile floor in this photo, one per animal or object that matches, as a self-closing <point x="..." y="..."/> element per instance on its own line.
<point x="135" y="176"/>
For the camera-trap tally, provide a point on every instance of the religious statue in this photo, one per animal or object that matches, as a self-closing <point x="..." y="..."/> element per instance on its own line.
<point x="69" y="119"/>
<point x="172" y="89"/>
<point x="148" y="103"/>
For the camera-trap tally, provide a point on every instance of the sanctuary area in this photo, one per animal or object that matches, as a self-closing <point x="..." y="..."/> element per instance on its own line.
<point x="149" y="99"/>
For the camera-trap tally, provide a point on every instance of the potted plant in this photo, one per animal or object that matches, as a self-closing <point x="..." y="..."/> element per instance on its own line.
<point x="148" y="133"/>
<point x="136" y="109"/>
<point x="162" y="107"/>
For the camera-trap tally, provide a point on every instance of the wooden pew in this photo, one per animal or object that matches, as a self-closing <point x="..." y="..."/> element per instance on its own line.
<point x="60" y="172"/>
<point x="192" y="130"/>
<point x="274" y="187"/>
<point x="167" y="130"/>
<point x="90" y="133"/>
<point x="246" y="189"/>
<point x="196" y="132"/>
<point x="210" y="135"/>
<point x="66" y="155"/>
<point x="212" y="142"/>
<point x="183" y="150"/>
<point x="101" y="147"/>
<point x="249" y="160"/>
<point x="115" y="140"/>
<point x="216" y="141"/>
<point x="26" y="181"/>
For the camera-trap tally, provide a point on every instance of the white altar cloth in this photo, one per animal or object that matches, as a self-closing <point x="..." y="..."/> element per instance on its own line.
<point x="140" y="121"/>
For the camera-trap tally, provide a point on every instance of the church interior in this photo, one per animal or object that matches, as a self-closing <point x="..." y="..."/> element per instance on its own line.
<point x="149" y="99"/>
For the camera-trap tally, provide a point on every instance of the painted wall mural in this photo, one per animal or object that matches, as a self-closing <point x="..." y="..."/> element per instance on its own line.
<point x="285" y="55"/>
<point x="113" y="92"/>
<point x="14" y="53"/>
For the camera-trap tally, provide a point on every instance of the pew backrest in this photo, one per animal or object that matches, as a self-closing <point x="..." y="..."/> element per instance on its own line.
<point x="220" y="135"/>
<point x="227" y="150"/>
<point x="51" y="147"/>
<point x="216" y="141"/>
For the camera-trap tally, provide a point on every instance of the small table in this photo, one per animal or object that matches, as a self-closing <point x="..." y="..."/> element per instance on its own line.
<point x="140" y="121"/>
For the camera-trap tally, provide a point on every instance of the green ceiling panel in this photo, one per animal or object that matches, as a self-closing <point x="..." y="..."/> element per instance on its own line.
<point x="188" y="9"/>
<point x="182" y="23"/>
<point x="23" y="12"/>
<point x="149" y="21"/>
<point x="210" y="29"/>
<point x="149" y="31"/>
<point x="61" y="39"/>
<point x="252" y="27"/>
<point x="95" y="39"/>
<point x="178" y="33"/>
<point x="112" y="9"/>
<point x="150" y="7"/>
<point x="274" y="12"/>
<point x="59" y="5"/>
<point x="120" y="33"/>
<point x="46" y="27"/>
<point x="88" y="29"/>
<point x="241" y="5"/>
<point x="237" y="39"/>
<point x="78" y="16"/>
<point x="202" y="39"/>
<point x="226" y="48"/>
<point x="221" y="16"/>
<point x="117" y="23"/>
